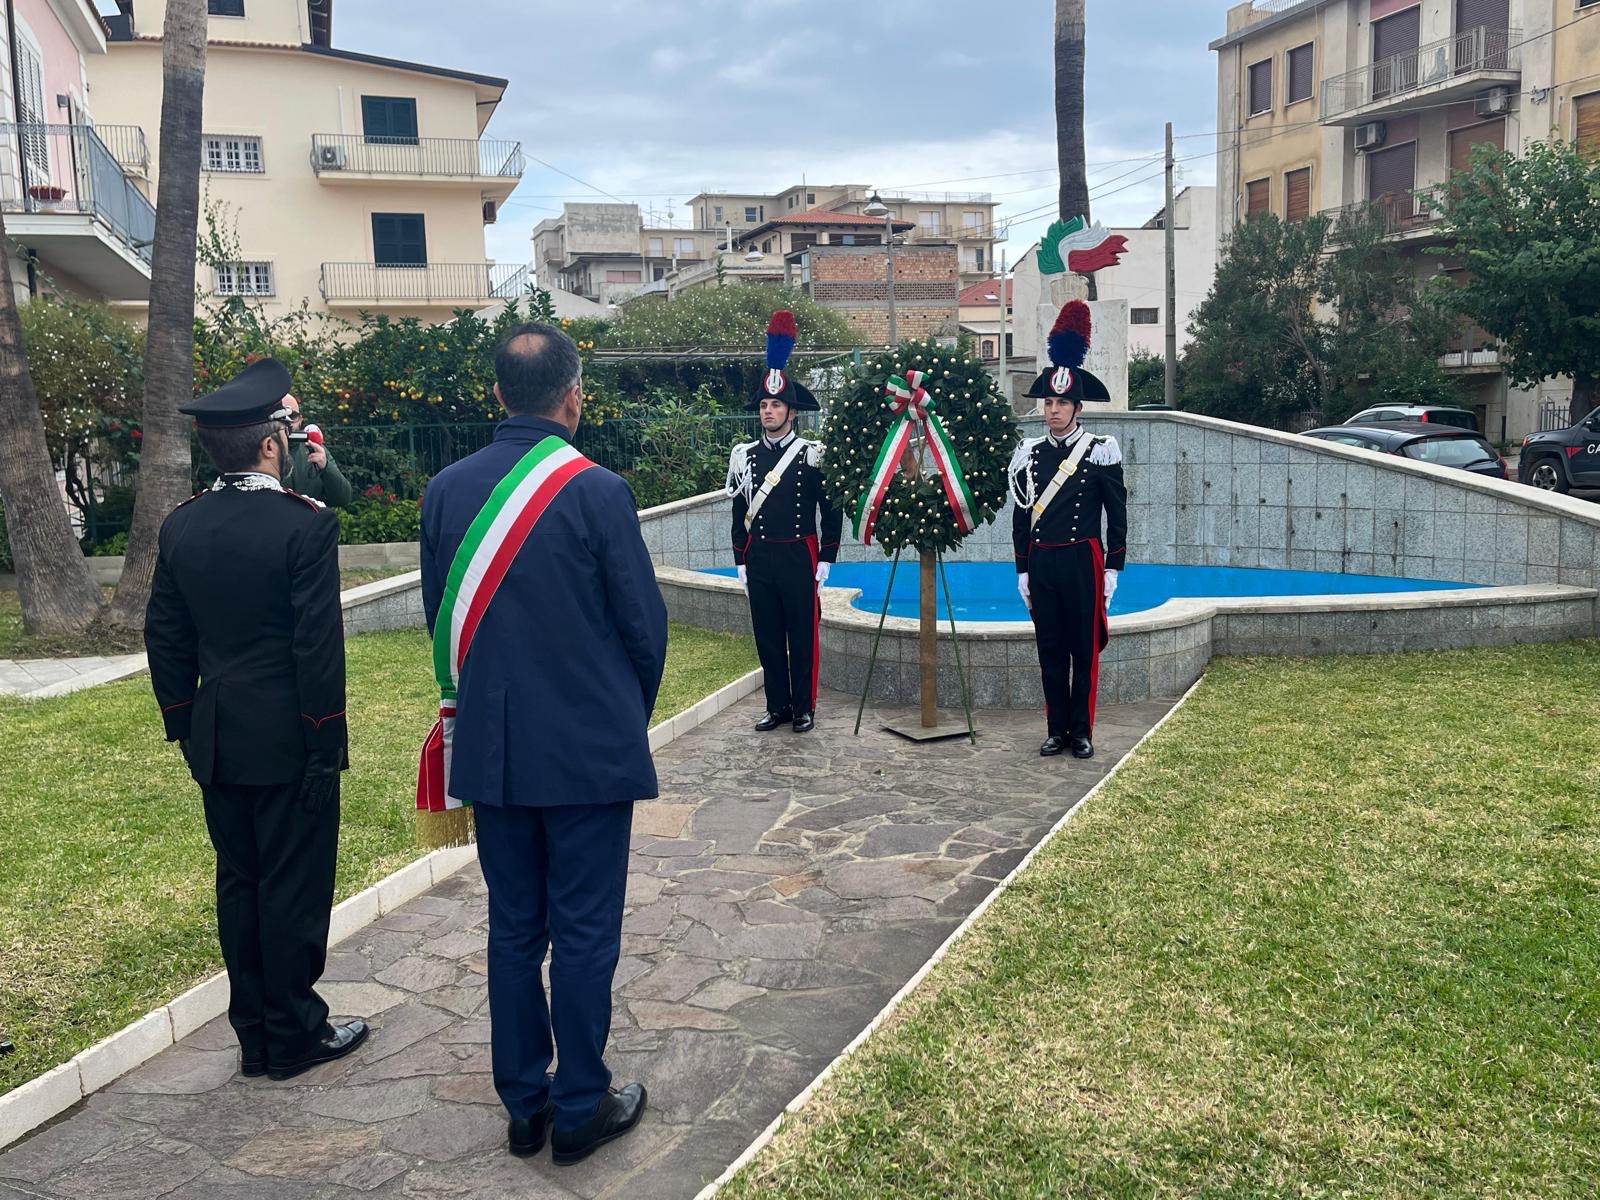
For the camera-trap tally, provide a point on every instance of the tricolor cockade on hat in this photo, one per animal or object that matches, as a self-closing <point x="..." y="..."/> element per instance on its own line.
<point x="253" y="396"/>
<point x="782" y="334"/>
<point x="1069" y="344"/>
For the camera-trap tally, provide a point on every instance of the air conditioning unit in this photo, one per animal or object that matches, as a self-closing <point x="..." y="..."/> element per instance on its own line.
<point x="330" y="157"/>
<point x="491" y="212"/>
<point x="1496" y="102"/>
<point x="1371" y="135"/>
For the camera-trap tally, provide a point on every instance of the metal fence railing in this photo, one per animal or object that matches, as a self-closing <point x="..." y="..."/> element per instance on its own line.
<point x="68" y="169"/>
<point x="128" y="146"/>
<point x="423" y="283"/>
<point x="1479" y="49"/>
<point x="458" y="158"/>
<point x="1400" y="212"/>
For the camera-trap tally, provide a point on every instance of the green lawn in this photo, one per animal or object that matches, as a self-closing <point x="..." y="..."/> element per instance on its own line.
<point x="105" y="867"/>
<point x="1334" y="933"/>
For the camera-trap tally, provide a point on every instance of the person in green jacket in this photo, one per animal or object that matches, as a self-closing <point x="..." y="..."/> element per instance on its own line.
<point x="313" y="471"/>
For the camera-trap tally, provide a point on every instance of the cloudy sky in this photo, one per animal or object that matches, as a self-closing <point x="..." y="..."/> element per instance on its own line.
<point x="652" y="101"/>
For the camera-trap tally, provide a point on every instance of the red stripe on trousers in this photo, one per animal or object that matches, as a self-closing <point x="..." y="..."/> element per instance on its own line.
<point x="816" y="621"/>
<point x="1102" y="632"/>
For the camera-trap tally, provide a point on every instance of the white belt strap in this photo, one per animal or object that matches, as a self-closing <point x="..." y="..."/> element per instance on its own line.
<point x="1064" y="472"/>
<point x="772" y="480"/>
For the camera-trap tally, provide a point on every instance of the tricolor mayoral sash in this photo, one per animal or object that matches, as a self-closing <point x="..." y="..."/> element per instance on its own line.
<point x="485" y="555"/>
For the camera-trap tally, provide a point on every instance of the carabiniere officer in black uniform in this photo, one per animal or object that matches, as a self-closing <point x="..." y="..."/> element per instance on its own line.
<point x="246" y="645"/>
<point x="1065" y="484"/>
<point x="776" y="485"/>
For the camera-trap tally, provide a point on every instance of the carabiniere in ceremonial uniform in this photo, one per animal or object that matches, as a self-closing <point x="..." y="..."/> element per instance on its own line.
<point x="783" y="559"/>
<point x="1067" y="486"/>
<point x="246" y="644"/>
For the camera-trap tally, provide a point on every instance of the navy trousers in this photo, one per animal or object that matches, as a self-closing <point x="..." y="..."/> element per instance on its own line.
<point x="557" y="877"/>
<point x="785" y="614"/>
<point x="1069" y="623"/>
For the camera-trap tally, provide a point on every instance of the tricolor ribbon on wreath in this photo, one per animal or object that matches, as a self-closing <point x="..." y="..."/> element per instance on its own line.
<point x="913" y="409"/>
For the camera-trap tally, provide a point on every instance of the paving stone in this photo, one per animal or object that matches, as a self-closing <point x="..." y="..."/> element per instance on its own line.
<point x="462" y="1001"/>
<point x="794" y="975"/>
<point x="152" y="1168"/>
<point x="884" y="879"/>
<point x="360" y="999"/>
<point x="419" y="973"/>
<point x="425" y="1058"/>
<point x="674" y="848"/>
<point x="653" y="920"/>
<point x="457" y="945"/>
<point x="887" y="840"/>
<point x="69" y="1143"/>
<point x="182" y="1072"/>
<point x="722" y="994"/>
<point x="674" y="980"/>
<point x="291" y="1153"/>
<point x="447" y="1132"/>
<point x="370" y="1171"/>
<point x="373" y="1104"/>
<point x="466" y="1089"/>
<point x="218" y="1122"/>
<point x="220" y="1183"/>
<point x="492" y="1176"/>
<point x="692" y="1071"/>
<point x="347" y="966"/>
<point x="657" y="1014"/>
<point x="402" y="1027"/>
<point x="467" y="1033"/>
<point x="771" y="912"/>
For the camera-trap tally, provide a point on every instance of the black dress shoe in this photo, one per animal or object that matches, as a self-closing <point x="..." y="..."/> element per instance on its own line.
<point x="618" y="1113"/>
<point x="252" y="1066"/>
<point x="773" y="719"/>
<point x="805" y="722"/>
<point x="525" y="1135"/>
<point x="1052" y="746"/>
<point x="335" y="1044"/>
<point x="1081" y="747"/>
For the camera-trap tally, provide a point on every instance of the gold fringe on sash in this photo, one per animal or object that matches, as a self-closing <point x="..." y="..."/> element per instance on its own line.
<point x="439" y="830"/>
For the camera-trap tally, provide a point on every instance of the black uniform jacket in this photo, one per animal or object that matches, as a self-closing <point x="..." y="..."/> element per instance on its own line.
<point x="1075" y="515"/>
<point x="246" y="635"/>
<point x="789" y="514"/>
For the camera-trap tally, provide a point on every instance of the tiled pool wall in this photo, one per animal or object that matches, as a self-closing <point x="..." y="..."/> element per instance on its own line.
<point x="1204" y="492"/>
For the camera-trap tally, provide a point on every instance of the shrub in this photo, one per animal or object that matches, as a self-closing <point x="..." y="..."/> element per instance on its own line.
<point x="379" y="516"/>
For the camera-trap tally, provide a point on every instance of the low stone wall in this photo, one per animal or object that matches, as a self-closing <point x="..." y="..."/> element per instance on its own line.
<point x="386" y="605"/>
<point x="107" y="570"/>
<point x="1204" y="492"/>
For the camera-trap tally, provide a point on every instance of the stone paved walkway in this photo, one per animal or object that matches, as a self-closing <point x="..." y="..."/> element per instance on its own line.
<point x="41" y="677"/>
<point x="782" y="890"/>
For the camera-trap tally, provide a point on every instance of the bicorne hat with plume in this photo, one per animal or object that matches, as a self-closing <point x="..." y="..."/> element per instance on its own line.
<point x="782" y="333"/>
<point x="1069" y="344"/>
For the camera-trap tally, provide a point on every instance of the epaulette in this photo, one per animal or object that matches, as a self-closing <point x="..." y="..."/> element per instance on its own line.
<point x="316" y="505"/>
<point x="1019" y="473"/>
<point x="193" y="498"/>
<point x="814" y="453"/>
<point x="740" y="478"/>
<point x="1105" y="452"/>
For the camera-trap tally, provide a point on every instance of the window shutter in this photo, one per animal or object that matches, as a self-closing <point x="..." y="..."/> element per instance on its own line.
<point x="1587" y="124"/>
<point x="1489" y="14"/>
<point x="399" y="240"/>
<point x="1391" y="178"/>
<point x="1302" y="59"/>
<point x="1399" y="34"/>
<point x="1261" y="87"/>
<point x="1297" y="194"/>
<point x="1462" y="142"/>
<point x="1258" y="197"/>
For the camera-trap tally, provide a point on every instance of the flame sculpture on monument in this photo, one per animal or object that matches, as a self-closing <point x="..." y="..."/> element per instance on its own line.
<point x="1079" y="247"/>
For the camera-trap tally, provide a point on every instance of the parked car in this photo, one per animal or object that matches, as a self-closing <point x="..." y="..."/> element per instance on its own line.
<point x="1563" y="459"/>
<point x="1442" y="445"/>
<point x="1428" y="414"/>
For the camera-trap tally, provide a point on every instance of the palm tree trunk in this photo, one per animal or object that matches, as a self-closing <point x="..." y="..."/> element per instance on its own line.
<point x="1070" y="158"/>
<point x="57" y="593"/>
<point x="164" y="466"/>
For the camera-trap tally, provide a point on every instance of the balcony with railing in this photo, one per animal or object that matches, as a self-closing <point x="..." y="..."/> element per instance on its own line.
<point x="128" y="146"/>
<point x="494" y="166"/>
<point x="1452" y="69"/>
<point x="69" y="199"/>
<point x="1405" y="216"/>
<point x="421" y="285"/>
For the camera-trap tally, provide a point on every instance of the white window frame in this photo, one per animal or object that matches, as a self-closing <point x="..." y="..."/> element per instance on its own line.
<point x="683" y="247"/>
<point x="247" y="150"/>
<point x="656" y="250"/>
<point x="30" y="64"/>
<point x="247" y="279"/>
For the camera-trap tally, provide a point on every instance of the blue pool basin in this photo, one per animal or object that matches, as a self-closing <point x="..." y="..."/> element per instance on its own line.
<point x="988" y="591"/>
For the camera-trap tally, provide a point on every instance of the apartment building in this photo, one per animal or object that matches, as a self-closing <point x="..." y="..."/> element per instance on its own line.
<point x="966" y="219"/>
<point x="78" y="218"/>
<point x="607" y="254"/>
<point x="349" y="182"/>
<point x="1326" y="104"/>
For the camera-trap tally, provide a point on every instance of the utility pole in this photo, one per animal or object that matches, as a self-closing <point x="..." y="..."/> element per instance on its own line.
<point x="888" y="237"/>
<point x="1005" y="384"/>
<point x="1172" y="284"/>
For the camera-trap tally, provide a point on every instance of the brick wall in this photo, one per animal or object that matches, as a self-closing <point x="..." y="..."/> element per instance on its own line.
<point x="854" y="281"/>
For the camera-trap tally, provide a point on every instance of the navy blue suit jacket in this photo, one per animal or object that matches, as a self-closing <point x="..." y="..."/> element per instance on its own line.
<point x="556" y="693"/>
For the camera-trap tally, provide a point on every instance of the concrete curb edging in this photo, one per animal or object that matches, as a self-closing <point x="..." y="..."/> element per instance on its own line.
<point x="888" y="1010"/>
<point x="46" y="1097"/>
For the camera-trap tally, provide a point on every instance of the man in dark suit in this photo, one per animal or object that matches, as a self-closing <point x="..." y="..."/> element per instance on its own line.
<point x="551" y="746"/>
<point x="246" y="644"/>
<point x="1070" y="533"/>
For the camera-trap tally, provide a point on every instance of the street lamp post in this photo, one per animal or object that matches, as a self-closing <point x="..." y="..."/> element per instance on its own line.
<point x="877" y="208"/>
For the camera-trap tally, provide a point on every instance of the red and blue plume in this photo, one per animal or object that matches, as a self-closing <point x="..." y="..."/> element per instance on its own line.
<point x="782" y="334"/>
<point x="1069" y="336"/>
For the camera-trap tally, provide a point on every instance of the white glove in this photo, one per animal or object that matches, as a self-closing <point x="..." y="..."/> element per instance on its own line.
<point x="744" y="579"/>
<point x="822" y="575"/>
<point x="1111" y="586"/>
<point x="1022" y="587"/>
